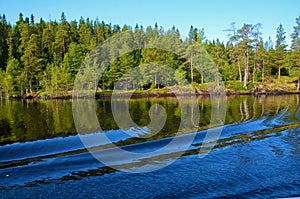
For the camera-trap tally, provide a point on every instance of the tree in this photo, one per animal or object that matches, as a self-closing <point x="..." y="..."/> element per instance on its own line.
<point x="2" y="76"/>
<point x="37" y="54"/>
<point x="60" y="81"/>
<point x="74" y="58"/>
<point x="14" y="69"/>
<point x="99" y="29"/>
<point x="280" y="47"/>
<point x="25" y="37"/>
<point x="14" y="43"/>
<point x="85" y="34"/>
<point x="180" y="75"/>
<point x="217" y="51"/>
<point x="261" y="59"/>
<point x="295" y="36"/>
<point x="47" y="42"/>
<point x="257" y="40"/>
<point x="269" y="55"/>
<point x="197" y="35"/>
<point x="33" y="63"/>
<point x="232" y="50"/>
<point x="8" y="84"/>
<point x="295" y="45"/>
<point x="190" y="53"/>
<point x="4" y="35"/>
<point x="74" y="32"/>
<point x="244" y="34"/>
<point x="62" y="38"/>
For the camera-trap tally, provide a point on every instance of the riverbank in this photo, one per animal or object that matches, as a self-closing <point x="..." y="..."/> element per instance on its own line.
<point x="160" y="93"/>
<point x="276" y="87"/>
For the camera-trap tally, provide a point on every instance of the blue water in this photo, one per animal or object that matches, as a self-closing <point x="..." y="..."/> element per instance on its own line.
<point x="255" y="158"/>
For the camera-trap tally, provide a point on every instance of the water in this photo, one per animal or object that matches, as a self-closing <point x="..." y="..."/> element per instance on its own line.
<point x="256" y="156"/>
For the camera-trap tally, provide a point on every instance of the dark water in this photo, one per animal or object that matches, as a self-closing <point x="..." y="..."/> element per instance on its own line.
<point x="257" y="155"/>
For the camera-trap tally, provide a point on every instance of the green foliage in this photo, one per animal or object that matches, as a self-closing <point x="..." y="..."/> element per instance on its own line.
<point x="295" y="36"/>
<point x="152" y="87"/>
<point x="59" y="82"/>
<point x="180" y="77"/>
<point x="5" y="30"/>
<point x="8" y="84"/>
<point x="227" y="72"/>
<point x="74" y="58"/>
<point x="12" y="76"/>
<point x="295" y="72"/>
<point x="239" y="86"/>
<point x="46" y="56"/>
<point x="2" y="76"/>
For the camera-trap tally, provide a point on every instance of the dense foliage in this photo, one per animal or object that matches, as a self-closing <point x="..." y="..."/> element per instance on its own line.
<point x="46" y="56"/>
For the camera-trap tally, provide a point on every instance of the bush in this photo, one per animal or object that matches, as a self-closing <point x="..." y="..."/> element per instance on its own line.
<point x="236" y="85"/>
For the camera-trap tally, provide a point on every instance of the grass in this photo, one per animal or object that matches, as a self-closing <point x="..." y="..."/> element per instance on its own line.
<point x="238" y="86"/>
<point x="284" y="84"/>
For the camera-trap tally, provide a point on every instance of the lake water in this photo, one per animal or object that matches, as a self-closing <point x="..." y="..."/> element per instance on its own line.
<point x="257" y="154"/>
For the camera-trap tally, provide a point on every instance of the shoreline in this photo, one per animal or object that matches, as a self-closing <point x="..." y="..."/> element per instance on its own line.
<point x="155" y="94"/>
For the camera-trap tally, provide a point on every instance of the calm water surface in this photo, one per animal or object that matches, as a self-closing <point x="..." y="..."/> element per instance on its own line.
<point x="257" y="155"/>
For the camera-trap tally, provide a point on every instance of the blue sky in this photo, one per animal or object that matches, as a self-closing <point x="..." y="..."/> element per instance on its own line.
<point x="212" y="15"/>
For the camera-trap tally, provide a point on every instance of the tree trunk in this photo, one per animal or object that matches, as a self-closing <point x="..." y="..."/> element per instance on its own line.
<point x="246" y="76"/>
<point x="218" y="81"/>
<point x="192" y="73"/>
<point x="103" y="87"/>
<point x="240" y="71"/>
<point x="254" y="70"/>
<point x="155" y="83"/>
<point x="30" y="86"/>
<point x="246" y="70"/>
<point x="263" y="71"/>
<point x="279" y="71"/>
<point x="298" y="86"/>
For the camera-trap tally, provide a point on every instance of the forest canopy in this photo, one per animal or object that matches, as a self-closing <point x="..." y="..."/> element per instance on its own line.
<point x="45" y="56"/>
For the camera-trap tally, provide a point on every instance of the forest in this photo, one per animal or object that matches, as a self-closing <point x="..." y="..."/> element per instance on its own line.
<point x="44" y="57"/>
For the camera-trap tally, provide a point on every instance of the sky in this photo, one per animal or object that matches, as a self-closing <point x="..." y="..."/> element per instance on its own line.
<point x="214" y="16"/>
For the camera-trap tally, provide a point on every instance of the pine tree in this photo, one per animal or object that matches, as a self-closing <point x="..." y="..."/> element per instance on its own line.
<point x="73" y="32"/>
<point x="192" y="51"/>
<point x="62" y="38"/>
<point x="32" y="61"/>
<point x="295" y="36"/>
<point x="74" y="58"/>
<point x="99" y="31"/>
<point x="13" y="71"/>
<point x="246" y="41"/>
<point x="280" y="47"/>
<point x="25" y="37"/>
<point x="47" y="41"/>
<point x="85" y="33"/>
<point x="234" y="52"/>
<point x="295" y="46"/>
<point x="4" y="38"/>
<point x="261" y="60"/>
<point x="257" y="40"/>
